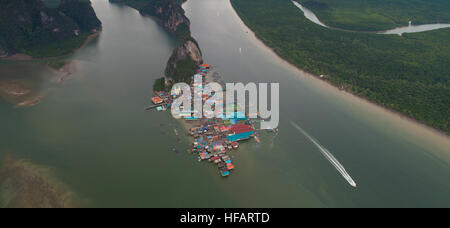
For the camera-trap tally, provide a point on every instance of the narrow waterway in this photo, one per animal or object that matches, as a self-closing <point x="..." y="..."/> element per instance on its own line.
<point x="93" y="134"/>
<point x="399" y="30"/>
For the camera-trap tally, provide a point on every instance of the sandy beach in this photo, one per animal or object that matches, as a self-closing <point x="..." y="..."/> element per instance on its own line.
<point x="326" y="85"/>
<point x="19" y="94"/>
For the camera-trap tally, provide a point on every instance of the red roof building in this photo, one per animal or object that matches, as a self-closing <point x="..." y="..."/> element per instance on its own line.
<point x="240" y="128"/>
<point x="157" y="100"/>
<point x="224" y="128"/>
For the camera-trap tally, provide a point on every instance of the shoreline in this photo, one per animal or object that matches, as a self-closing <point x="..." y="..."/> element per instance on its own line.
<point x="334" y="87"/>
<point x="25" y="57"/>
<point x="380" y="32"/>
<point x="65" y="70"/>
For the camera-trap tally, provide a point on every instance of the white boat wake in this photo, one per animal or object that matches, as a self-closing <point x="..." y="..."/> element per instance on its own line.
<point x="328" y="156"/>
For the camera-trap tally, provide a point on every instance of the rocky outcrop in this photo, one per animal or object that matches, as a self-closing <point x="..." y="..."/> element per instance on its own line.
<point x="184" y="61"/>
<point x="168" y="13"/>
<point x="27" y="24"/>
<point x="189" y="49"/>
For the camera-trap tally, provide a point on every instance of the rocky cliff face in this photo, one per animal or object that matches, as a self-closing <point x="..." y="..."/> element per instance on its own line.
<point x="25" y="24"/>
<point x="189" y="49"/>
<point x="168" y="13"/>
<point x="184" y="61"/>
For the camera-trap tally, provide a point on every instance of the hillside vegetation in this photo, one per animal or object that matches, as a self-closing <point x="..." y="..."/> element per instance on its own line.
<point x="43" y="29"/>
<point x="408" y="73"/>
<point x="377" y="15"/>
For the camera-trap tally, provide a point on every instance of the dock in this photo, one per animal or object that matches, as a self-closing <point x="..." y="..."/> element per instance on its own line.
<point x="150" y="107"/>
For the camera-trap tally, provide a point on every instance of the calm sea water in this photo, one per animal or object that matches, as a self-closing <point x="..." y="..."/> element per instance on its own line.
<point x="94" y="135"/>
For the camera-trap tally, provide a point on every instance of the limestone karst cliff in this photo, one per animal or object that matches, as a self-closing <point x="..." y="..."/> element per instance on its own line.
<point x="169" y="13"/>
<point x="29" y="26"/>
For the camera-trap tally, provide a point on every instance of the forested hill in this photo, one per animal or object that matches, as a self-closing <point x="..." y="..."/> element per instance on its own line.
<point x="408" y="73"/>
<point x="45" y="28"/>
<point x="378" y="15"/>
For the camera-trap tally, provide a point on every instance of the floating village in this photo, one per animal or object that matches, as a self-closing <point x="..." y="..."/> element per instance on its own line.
<point x="214" y="139"/>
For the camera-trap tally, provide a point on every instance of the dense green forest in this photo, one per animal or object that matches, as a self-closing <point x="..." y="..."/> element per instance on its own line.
<point x="183" y="71"/>
<point x="408" y="73"/>
<point x="45" y="28"/>
<point x="377" y="15"/>
<point x="160" y="84"/>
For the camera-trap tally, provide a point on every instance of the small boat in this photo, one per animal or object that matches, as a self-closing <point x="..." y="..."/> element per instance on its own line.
<point x="230" y="166"/>
<point x="257" y="139"/>
<point x="235" y="145"/>
<point x="215" y="158"/>
<point x="224" y="173"/>
<point x="175" y="131"/>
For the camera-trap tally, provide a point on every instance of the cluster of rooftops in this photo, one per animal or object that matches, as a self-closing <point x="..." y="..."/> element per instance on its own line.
<point x="214" y="138"/>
